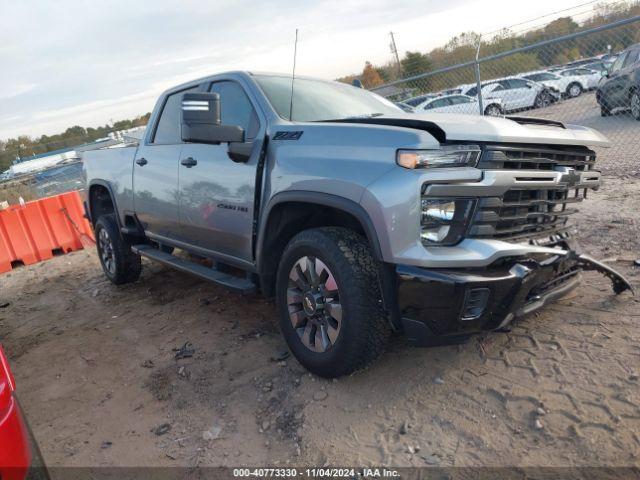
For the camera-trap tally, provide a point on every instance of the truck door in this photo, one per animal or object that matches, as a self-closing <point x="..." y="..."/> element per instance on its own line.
<point x="155" y="172"/>
<point x="613" y="87"/>
<point x="216" y="193"/>
<point x="520" y="93"/>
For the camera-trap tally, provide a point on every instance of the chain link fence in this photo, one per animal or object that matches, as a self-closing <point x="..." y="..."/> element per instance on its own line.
<point x="584" y="78"/>
<point x="51" y="181"/>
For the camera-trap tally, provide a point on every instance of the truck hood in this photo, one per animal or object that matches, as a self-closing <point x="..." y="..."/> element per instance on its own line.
<point x="476" y="128"/>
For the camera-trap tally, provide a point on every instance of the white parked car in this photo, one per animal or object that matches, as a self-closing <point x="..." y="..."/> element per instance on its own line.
<point x="460" y="104"/>
<point x="516" y="94"/>
<point x="580" y="80"/>
<point x="556" y="84"/>
<point x="415" y="101"/>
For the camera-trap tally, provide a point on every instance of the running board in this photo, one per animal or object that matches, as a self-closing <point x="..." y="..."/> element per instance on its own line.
<point x="241" y="285"/>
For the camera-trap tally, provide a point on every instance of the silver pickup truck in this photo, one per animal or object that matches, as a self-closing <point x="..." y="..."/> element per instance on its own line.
<point x="361" y="219"/>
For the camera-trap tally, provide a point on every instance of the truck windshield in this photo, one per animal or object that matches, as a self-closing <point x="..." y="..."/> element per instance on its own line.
<point x="317" y="100"/>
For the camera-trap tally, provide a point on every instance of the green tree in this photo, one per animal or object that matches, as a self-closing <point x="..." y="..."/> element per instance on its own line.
<point x="24" y="146"/>
<point x="415" y="63"/>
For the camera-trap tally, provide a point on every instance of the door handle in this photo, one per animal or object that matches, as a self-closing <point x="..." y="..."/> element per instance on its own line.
<point x="189" y="162"/>
<point x="142" y="161"/>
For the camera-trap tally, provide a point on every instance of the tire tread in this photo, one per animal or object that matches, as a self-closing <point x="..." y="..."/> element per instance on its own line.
<point x="128" y="264"/>
<point x="373" y="329"/>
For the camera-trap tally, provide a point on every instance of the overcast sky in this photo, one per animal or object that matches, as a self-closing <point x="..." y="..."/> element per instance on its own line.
<point x="75" y="62"/>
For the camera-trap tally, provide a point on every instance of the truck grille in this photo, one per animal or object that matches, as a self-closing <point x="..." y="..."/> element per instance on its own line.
<point x="539" y="215"/>
<point x="501" y="157"/>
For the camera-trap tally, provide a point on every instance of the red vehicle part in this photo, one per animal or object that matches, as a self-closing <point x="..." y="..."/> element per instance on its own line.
<point x="15" y="449"/>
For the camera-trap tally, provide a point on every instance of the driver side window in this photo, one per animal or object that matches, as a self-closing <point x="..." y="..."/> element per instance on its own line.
<point x="632" y="58"/>
<point x="236" y="108"/>
<point x="617" y="65"/>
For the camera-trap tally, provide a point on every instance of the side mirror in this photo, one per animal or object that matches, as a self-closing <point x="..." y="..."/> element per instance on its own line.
<point x="200" y="120"/>
<point x="605" y="73"/>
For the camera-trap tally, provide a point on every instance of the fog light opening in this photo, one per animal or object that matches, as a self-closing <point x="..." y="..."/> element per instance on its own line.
<point x="475" y="303"/>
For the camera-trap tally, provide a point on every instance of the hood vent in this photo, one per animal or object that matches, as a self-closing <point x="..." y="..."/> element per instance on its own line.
<point x="416" y="124"/>
<point x="541" y="122"/>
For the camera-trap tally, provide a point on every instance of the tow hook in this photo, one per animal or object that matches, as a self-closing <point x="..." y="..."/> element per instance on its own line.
<point x="618" y="282"/>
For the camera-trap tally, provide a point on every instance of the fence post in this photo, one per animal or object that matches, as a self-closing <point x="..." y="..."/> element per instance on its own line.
<point x="478" y="81"/>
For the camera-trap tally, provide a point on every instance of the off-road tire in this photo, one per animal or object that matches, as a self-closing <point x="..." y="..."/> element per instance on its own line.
<point x="605" y="111"/>
<point x="126" y="265"/>
<point x="365" y="330"/>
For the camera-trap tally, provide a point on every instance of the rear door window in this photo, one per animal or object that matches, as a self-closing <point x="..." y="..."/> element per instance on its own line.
<point x="459" y="99"/>
<point x="441" y="102"/>
<point x="518" y="83"/>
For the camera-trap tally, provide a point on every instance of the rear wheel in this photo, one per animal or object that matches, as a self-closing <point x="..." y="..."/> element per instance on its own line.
<point x="329" y="302"/>
<point x="493" y="110"/>
<point x="635" y="104"/>
<point x="119" y="263"/>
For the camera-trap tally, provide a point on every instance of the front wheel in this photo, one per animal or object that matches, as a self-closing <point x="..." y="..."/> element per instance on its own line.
<point x="605" y="111"/>
<point x="543" y="100"/>
<point x="119" y="263"/>
<point x="329" y="302"/>
<point x="635" y="104"/>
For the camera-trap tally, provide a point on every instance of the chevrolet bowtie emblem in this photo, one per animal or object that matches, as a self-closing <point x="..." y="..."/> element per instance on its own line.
<point x="570" y="177"/>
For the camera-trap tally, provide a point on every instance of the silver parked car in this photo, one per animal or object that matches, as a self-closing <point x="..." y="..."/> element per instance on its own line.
<point x="461" y="104"/>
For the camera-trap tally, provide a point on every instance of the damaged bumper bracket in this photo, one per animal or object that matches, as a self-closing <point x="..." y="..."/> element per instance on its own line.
<point x="618" y="281"/>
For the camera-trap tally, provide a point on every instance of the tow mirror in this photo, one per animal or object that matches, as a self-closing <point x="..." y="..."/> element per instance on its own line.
<point x="200" y="120"/>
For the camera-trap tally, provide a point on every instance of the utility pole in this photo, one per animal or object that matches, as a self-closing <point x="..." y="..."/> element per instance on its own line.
<point x="394" y="50"/>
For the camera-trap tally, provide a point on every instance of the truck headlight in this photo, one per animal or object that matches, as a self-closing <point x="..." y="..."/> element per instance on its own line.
<point x="447" y="156"/>
<point x="444" y="220"/>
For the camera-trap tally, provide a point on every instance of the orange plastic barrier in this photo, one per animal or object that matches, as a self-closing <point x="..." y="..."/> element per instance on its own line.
<point x="41" y="228"/>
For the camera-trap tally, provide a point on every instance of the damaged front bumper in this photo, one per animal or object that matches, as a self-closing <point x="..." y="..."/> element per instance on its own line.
<point x="436" y="303"/>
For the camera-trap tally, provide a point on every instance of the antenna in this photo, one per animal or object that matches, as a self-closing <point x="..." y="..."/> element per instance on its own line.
<point x="293" y="77"/>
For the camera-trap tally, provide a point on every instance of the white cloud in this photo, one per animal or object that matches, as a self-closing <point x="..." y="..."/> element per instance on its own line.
<point x="77" y="64"/>
<point x="17" y="90"/>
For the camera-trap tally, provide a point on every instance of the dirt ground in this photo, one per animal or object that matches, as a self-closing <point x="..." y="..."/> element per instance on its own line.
<point x="97" y="375"/>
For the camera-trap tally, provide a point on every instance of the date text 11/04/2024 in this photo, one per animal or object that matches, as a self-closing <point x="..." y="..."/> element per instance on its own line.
<point x="316" y="472"/>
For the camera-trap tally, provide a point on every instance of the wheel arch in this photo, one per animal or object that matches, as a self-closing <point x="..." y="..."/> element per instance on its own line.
<point x="290" y="212"/>
<point x="100" y="201"/>
<point x="575" y="82"/>
<point x="494" y="104"/>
